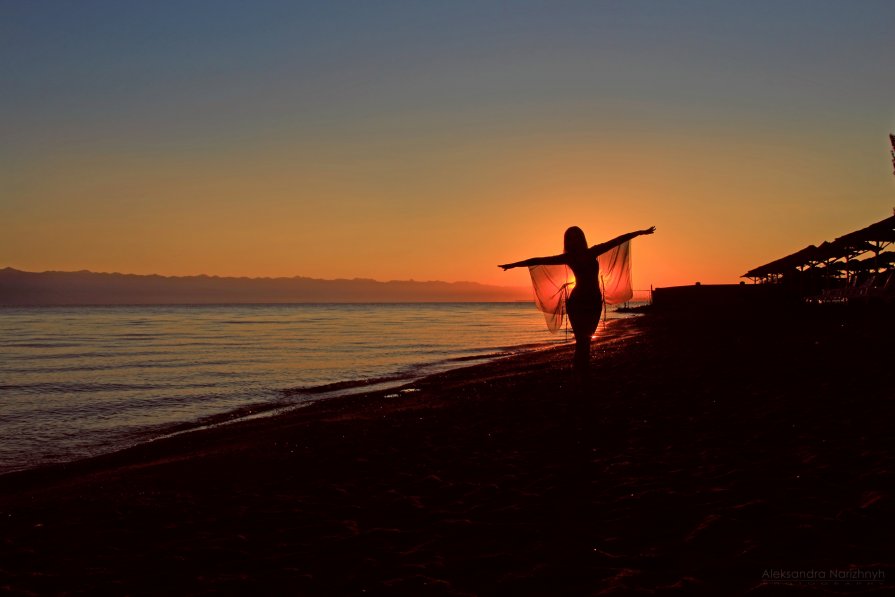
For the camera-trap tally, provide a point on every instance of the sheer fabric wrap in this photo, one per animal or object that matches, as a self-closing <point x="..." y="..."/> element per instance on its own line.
<point x="553" y="283"/>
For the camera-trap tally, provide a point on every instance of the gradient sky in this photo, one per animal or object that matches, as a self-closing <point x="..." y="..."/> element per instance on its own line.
<point x="433" y="140"/>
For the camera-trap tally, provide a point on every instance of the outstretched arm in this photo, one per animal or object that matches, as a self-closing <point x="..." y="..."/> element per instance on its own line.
<point x="552" y="260"/>
<point x="608" y="245"/>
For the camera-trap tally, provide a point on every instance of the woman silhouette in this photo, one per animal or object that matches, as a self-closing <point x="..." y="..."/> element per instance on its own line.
<point x="586" y="301"/>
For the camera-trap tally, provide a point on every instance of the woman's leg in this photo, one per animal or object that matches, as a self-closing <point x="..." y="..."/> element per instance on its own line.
<point x="584" y="324"/>
<point x="581" y="361"/>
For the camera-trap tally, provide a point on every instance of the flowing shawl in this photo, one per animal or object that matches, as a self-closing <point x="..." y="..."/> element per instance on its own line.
<point x="553" y="283"/>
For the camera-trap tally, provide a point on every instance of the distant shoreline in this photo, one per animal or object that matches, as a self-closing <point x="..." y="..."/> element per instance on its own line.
<point x="268" y="304"/>
<point x="21" y="288"/>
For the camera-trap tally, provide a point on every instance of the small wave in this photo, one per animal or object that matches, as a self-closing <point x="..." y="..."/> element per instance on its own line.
<point x="40" y="345"/>
<point x="478" y="357"/>
<point x="241" y="413"/>
<point x="411" y="371"/>
<point x="128" y="365"/>
<point x="553" y="341"/>
<point x="88" y="355"/>
<point x="253" y="322"/>
<point x="344" y="385"/>
<point x="135" y="336"/>
<point x="76" y="387"/>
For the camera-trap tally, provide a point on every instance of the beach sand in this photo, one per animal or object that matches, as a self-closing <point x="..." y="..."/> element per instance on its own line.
<point x="710" y="454"/>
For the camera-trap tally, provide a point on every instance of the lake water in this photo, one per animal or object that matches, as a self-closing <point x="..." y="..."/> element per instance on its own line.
<point x="80" y="381"/>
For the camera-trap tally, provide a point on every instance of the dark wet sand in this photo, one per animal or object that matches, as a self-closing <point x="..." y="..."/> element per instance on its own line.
<point x="705" y="452"/>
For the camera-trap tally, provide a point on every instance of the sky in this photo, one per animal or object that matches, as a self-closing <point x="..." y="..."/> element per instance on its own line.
<point x="434" y="140"/>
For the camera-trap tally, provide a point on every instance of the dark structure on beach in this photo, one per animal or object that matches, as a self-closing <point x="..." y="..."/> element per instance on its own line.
<point x="835" y="271"/>
<point x="719" y="298"/>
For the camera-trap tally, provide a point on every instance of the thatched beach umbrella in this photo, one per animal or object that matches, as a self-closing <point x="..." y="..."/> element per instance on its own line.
<point x="827" y="255"/>
<point x="880" y="261"/>
<point x="857" y="265"/>
<point x="875" y="237"/>
<point x="796" y="261"/>
<point x="886" y="259"/>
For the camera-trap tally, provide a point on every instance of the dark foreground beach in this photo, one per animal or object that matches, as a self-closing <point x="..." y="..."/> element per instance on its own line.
<point x="714" y="455"/>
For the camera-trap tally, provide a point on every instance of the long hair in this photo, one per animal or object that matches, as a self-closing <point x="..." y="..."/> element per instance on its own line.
<point x="574" y="240"/>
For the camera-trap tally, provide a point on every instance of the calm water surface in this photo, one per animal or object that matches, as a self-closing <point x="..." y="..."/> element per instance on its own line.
<point x="79" y="381"/>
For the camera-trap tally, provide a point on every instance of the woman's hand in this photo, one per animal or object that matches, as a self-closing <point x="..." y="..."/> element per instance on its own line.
<point x="506" y="266"/>
<point x="649" y="230"/>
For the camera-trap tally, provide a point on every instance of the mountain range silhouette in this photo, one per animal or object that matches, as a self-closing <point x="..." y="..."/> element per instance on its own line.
<point x="90" y="288"/>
